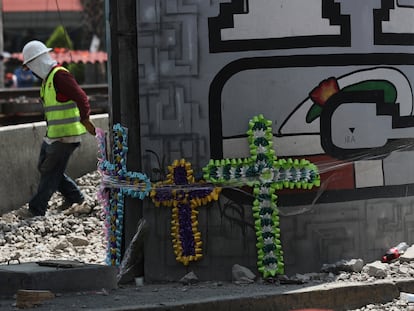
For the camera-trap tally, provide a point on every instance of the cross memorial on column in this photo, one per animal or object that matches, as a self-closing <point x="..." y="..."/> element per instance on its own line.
<point x="266" y="174"/>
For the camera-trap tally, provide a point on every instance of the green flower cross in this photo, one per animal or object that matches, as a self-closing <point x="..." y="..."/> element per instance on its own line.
<point x="266" y="174"/>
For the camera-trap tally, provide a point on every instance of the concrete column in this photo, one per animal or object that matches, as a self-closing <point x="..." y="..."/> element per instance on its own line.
<point x="121" y="21"/>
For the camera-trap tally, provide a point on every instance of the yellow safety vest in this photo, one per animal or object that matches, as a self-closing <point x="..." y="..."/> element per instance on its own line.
<point x="63" y="118"/>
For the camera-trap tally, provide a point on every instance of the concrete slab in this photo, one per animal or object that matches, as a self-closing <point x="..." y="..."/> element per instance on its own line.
<point x="56" y="279"/>
<point x="217" y="296"/>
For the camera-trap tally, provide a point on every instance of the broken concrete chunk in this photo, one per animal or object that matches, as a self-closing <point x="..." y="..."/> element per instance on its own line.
<point x="189" y="278"/>
<point x="376" y="269"/>
<point x="242" y="274"/>
<point x="408" y="255"/>
<point x="77" y="240"/>
<point x="352" y="265"/>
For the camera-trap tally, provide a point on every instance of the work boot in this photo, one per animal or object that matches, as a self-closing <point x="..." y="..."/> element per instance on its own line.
<point x="64" y="206"/>
<point x="77" y="208"/>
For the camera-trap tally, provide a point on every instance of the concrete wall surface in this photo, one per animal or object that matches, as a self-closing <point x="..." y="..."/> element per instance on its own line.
<point x="19" y="151"/>
<point x="208" y="67"/>
<point x="311" y="237"/>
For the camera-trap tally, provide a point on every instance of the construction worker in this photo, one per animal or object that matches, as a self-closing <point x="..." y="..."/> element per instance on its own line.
<point x="67" y="110"/>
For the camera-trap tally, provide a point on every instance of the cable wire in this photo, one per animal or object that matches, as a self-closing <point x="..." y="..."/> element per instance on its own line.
<point x="65" y="33"/>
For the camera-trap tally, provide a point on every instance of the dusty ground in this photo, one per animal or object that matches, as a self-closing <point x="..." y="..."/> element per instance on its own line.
<point x="48" y="239"/>
<point x="155" y="295"/>
<point x="174" y="296"/>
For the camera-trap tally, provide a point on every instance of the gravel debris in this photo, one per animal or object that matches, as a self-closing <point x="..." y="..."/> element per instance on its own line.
<point x="57" y="236"/>
<point x="81" y="237"/>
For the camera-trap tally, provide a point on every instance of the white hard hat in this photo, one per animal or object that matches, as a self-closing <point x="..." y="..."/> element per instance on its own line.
<point x="34" y="49"/>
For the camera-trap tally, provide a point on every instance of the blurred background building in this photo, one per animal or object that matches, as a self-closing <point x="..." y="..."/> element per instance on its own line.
<point x="74" y="29"/>
<point x="82" y="21"/>
<point x="24" y="20"/>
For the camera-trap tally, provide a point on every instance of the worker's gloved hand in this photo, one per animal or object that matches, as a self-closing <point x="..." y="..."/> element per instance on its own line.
<point x="90" y="127"/>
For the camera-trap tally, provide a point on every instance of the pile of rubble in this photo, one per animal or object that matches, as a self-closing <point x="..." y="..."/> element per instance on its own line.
<point x="355" y="270"/>
<point x="351" y="271"/>
<point x="59" y="235"/>
<point x="80" y="236"/>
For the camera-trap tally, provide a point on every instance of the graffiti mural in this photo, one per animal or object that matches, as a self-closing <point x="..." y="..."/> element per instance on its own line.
<point x="393" y="23"/>
<point x="334" y="77"/>
<point x="351" y="113"/>
<point x="237" y="29"/>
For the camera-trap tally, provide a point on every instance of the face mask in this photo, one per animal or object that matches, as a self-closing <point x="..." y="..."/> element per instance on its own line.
<point x="36" y="76"/>
<point x="42" y="65"/>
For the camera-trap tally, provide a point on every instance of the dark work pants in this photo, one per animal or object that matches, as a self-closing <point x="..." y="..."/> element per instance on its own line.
<point x="53" y="160"/>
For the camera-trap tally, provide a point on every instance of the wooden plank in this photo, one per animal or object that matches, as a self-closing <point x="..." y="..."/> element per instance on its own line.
<point x="30" y="298"/>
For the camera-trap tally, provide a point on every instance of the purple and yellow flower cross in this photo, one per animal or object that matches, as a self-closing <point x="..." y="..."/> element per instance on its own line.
<point x="181" y="193"/>
<point x="262" y="171"/>
<point x="266" y="175"/>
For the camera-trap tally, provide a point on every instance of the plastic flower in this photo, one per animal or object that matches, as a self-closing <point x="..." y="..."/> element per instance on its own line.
<point x="266" y="174"/>
<point x="116" y="183"/>
<point x="185" y="198"/>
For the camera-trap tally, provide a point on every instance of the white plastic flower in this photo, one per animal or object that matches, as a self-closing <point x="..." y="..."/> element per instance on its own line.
<point x="258" y="133"/>
<point x="266" y="203"/>
<point x="267" y="228"/>
<point x="266" y="216"/>
<point x="267" y="175"/>
<point x="219" y="172"/>
<point x="232" y="172"/>
<point x="271" y="267"/>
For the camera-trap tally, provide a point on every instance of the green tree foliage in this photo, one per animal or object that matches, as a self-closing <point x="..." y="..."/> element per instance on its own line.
<point x="59" y="39"/>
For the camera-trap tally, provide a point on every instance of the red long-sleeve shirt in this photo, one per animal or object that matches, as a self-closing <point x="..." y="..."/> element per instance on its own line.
<point x="68" y="89"/>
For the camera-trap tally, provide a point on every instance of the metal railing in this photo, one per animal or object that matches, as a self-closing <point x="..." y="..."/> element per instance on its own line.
<point x="21" y="105"/>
